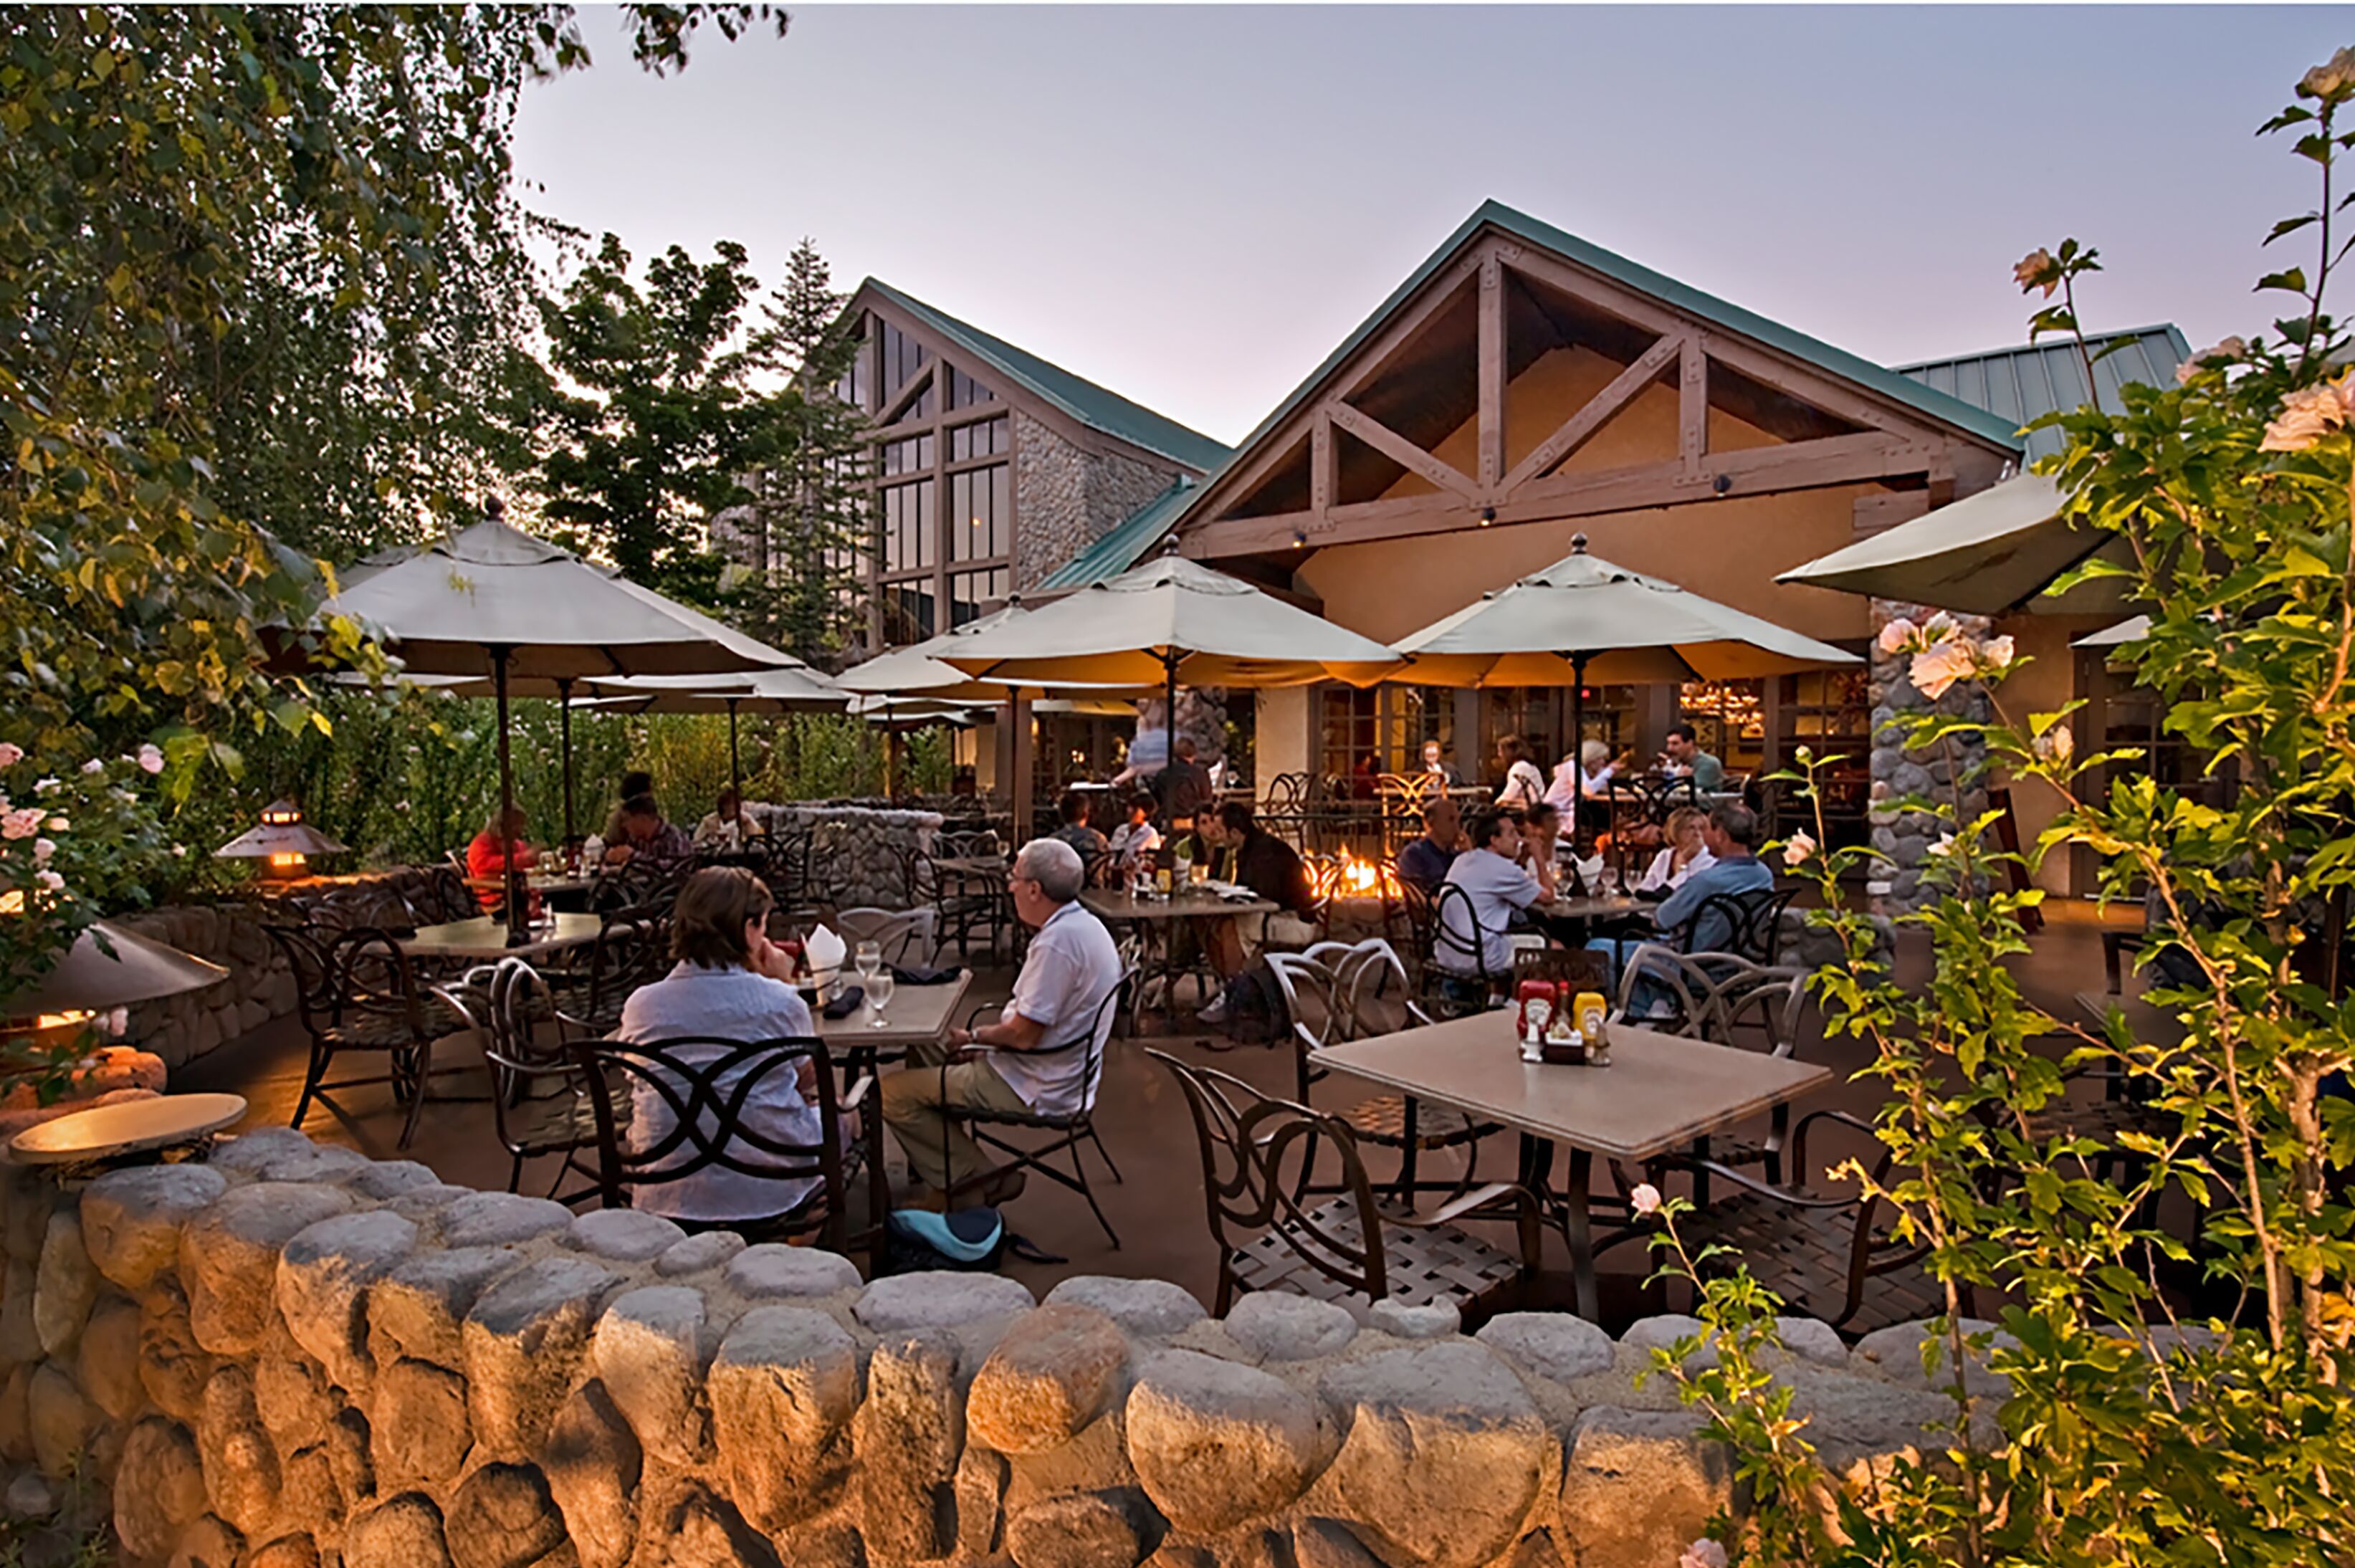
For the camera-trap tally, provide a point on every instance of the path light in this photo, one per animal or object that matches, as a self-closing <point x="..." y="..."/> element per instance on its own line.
<point x="284" y="840"/>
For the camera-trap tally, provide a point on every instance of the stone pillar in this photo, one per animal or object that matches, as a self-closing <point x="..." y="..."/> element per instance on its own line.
<point x="1957" y="763"/>
<point x="1202" y="719"/>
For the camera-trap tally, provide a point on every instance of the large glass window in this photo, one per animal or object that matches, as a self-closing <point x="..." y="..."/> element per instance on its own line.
<point x="1729" y="718"/>
<point x="907" y="612"/>
<point x="987" y="438"/>
<point x="965" y="391"/>
<point x="971" y="594"/>
<point x="857" y="384"/>
<point x="980" y="512"/>
<point x="913" y="456"/>
<point x="1830" y="712"/>
<point x="902" y="357"/>
<point x="910" y="527"/>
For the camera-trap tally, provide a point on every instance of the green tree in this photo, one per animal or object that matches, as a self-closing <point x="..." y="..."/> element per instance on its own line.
<point x="813" y="511"/>
<point x="652" y="424"/>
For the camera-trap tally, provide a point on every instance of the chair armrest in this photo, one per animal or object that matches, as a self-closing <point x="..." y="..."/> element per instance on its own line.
<point x="1797" y="1197"/>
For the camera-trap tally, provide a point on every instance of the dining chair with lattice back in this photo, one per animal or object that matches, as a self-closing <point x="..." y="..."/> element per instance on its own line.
<point x="357" y="992"/>
<point x="905" y="935"/>
<point x="1458" y="981"/>
<point x="695" y="1099"/>
<point x="1069" y="1130"/>
<point x="1275" y="1228"/>
<point x="539" y="1108"/>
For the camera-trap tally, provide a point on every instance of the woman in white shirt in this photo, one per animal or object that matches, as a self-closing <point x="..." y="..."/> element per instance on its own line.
<point x="1524" y="785"/>
<point x="1684" y="854"/>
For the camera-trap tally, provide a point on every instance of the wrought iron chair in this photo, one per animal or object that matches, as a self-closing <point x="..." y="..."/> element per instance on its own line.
<point x="964" y="905"/>
<point x="1819" y="1252"/>
<point x="1259" y="1157"/>
<point x="905" y="935"/>
<point x="633" y="949"/>
<point x="1458" y="981"/>
<point x="692" y="1097"/>
<point x="1070" y="1128"/>
<point x="1747" y="925"/>
<point x="540" y="1107"/>
<point x="357" y="992"/>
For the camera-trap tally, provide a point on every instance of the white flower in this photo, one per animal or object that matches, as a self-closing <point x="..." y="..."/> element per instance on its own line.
<point x="1703" y="1553"/>
<point x="1804" y="755"/>
<point x="2057" y="745"/>
<point x="1944" y="846"/>
<point x="59" y="825"/>
<point x="402" y="806"/>
<point x="1645" y="1199"/>
<point x="2332" y="78"/>
<point x="2310" y="413"/>
<point x="1940" y="665"/>
<point x="1995" y="653"/>
<point x="1940" y="626"/>
<point x="151" y="760"/>
<point x="42" y="850"/>
<point x="93" y="766"/>
<point x="50" y="881"/>
<point x="1896" y="634"/>
<point x="119" y="1021"/>
<point x="45" y="786"/>
<point x="1799" y="848"/>
<point x="10" y="753"/>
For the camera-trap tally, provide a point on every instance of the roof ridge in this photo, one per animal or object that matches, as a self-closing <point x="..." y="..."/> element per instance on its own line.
<point x="1147" y="428"/>
<point x="2156" y="329"/>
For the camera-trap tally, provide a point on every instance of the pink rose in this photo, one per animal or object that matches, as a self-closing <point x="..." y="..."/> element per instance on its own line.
<point x="10" y="753"/>
<point x="2332" y="78"/>
<point x="2038" y="270"/>
<point x="1940" y="665"/>
<point x="1995" y="653"/>
<point x="93" y="766"/>
<point x="59" y="825"/>
<point x="2057" y="745"/>
<point x="1703" y="1553"/>
<point x="1895" y="635"/>
<point x="1798" y="850"/>
<point x="1644" y="1198"/>
<point x="21" y="823"/>
<point x="51" y="880"/>
<point x="2309" y="414"/>
<point x="151" y="760"/>
<point x="42" y="850"/>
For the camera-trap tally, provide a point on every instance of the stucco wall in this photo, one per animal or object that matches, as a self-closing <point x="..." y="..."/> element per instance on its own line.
<point x="2048" y="684"/>
<point x="294" y="1355"/>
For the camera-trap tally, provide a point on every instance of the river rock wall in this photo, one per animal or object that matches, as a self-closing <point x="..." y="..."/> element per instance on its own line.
<point x="857" y="854"/>
<point x="294" y="1356"/>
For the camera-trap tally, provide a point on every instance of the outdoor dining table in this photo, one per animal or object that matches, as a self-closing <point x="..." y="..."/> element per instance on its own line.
<point x="917" y="1014"/>
<point x="485" y="938"/>
<point x="1661" y="1094"/>
<point x="1155" y="919"/>
<point x="556" y="888"/>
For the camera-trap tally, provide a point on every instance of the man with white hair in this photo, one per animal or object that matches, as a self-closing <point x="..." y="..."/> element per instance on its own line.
<point x="1036" y="1057"/>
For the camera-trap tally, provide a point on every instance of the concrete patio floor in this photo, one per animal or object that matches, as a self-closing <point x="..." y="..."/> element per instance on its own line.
<point x="1160" y="1209"/>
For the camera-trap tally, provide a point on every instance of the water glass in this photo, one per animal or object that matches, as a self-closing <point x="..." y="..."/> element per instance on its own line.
<point x="880" y="986"/>
<point x="868" y="956"/>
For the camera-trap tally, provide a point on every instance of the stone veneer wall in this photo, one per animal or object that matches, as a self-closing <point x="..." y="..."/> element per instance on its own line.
<point x="296" y="1356"/>
<point x="858" y="856"/>
<point x="1066" y="497"/>
<point x="1906" y="836"/>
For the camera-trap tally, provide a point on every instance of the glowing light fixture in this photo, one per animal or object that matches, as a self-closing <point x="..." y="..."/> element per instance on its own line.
<point x="283" y="841"/>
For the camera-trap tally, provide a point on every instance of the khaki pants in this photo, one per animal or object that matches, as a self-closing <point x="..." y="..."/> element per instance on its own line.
<point x="938" y="1150"/>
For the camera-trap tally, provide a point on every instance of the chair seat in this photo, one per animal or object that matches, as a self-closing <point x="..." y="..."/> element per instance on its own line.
<point x="369" y="1029"/>
<point x="570" y="995"/>
<point x="2100" y="1120"/>
<point x="1421" y="1266"/>
<point x="1802" y="1255"/>
<point x="1382" y="1120"/>
<point x="560" y="1123"/>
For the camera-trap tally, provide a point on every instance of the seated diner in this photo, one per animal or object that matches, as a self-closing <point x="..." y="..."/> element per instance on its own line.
<point x="1136" y="837"/>
<point x="1424" y="861"/>
<point x="501" y="841"/>
<point x="728" y="826"/>
<point x="1495" y="886"/>
<point x="648" y="839"/>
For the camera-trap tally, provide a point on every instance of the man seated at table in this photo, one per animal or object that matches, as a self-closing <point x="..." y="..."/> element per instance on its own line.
<point x="1685" y="759"/>
<point x="730" y="983"/>
<point x="634" y="783"/>
<point x="1184" y="786"/>
<point x="1036" y="1057"/>
<point x="647" y="839"/>
<point x="1072" y="810"/>
<point x="1442" y="771"/>
<point x="1136" y="837"/>
<point x="1424" y="860"/>
<point x="1731" y="836"/>
<point x="1493" y="886"/>
<point x="1251" y="857"/>
<point x="488" y="855"/>
<point x="728" y="826"/>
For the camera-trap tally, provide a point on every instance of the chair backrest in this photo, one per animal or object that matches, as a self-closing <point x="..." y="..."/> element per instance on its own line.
<point x="633" y="949"/>
<point x="307" y="955"/>
<point x="1717" y="996"/>
<point x="1311" y="993"/>
<point x="1580" y="967"/>
<point x="1376" y="996"/>
<point x="905" y="935"/>
<point x="1459" y="945"/>
<point x="373" y="975"/>
<point x="453" y="897"/>
<point x="1259" y="1157"/>
<point x="1747" y="925"/>
<point x="692" y="1097"/>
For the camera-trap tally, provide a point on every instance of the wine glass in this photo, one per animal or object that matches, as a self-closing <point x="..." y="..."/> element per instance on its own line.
<point x="868" y="957"/>
<point x="880" y="986"/>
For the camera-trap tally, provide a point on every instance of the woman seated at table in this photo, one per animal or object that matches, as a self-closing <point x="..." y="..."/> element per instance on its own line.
<point x="730" y="983"/>
<point x="500" y="842"/>
<point x="729" y="826"/>
<point x="1136" y="837"/>
<point x="1686" y="852"/>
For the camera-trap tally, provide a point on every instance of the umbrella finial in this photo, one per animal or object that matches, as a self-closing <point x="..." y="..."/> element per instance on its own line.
<point x="1578" y="544"/>
<point x="496" y="510"/>
<point x="1170" y="545"/>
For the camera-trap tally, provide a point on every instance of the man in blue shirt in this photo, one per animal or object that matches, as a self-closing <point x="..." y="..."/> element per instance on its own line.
<point x="1732" y="835"/>
<point x="1424" y="861"/>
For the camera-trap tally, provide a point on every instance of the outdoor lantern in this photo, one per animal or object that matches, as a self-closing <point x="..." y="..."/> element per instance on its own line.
<point x="284" y="840"/>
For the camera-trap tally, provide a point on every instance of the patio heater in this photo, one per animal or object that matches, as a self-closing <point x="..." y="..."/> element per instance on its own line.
<point x="282" y="840"/>
<point x="107" y="967"/>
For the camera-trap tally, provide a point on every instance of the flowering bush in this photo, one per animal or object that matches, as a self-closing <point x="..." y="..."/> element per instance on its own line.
<point x="2124" y="1438"/>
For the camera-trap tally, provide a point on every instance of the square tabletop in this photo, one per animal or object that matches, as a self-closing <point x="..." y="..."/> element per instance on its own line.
<point x="1597" y="906"/>
<point x="972" y="865"/>
<point x="918" y="1015"/>
<point x="1659" y="1093"/>
<point x="485" y="937"/>
<point x="1119" y="903"/>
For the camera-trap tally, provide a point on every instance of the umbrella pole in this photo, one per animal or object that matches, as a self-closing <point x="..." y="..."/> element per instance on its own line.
<point x="517" y="934"/>
<point x="564" y="727"/>
<point x="1169" y="713"/>
<point x="1577" y="746"/>
<point x="735" y="772"/>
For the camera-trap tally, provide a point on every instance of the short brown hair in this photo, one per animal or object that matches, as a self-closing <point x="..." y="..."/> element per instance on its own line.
<point x="707" y="924"/>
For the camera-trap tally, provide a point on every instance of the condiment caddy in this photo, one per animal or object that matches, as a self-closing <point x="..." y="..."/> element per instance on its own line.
<point x="1559" y="1026"/>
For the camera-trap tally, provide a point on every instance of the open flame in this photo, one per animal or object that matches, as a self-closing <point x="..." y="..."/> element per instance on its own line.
<point x="1352" y="877"/>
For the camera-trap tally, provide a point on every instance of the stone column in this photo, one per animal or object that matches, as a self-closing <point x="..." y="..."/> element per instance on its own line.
<point x="1935" y="773"/>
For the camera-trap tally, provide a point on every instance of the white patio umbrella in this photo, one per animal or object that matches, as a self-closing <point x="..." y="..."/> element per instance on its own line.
<point x="1583" y="617"/>
<point x="917" y="670"/>
<point x="2125" y="635"/>
<point x="493" y="601"/>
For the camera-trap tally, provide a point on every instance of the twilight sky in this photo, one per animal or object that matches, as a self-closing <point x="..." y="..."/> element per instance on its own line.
<point x="1193" y="206"/>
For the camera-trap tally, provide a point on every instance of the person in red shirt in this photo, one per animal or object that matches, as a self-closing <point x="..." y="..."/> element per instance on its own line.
<point x="487" y="855"/>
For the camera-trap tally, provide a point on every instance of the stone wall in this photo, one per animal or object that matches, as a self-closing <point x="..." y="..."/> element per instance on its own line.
<point x="1906" y="836"/>
<point x="857" y="855"/>
<point x="1066" y="497"/>
<point x="294" y="1356"/>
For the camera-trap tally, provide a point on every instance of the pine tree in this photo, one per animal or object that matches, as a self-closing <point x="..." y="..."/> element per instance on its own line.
<point x="814" y="512"/>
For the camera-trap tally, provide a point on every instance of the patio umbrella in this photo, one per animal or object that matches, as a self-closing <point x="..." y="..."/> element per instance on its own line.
<point x="2126" y="634"/>
<point x="795" y="689"/>
<point x="1170" y="618"/>
<point x="1997" y="551"/>
<point x="1585" y="617"/>
<point x="918" y="669"/>
<point x="91" y="979"/>
<point x="494" y="602"/>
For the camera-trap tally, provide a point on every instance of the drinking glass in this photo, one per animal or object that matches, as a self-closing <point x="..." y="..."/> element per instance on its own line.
<point x="1185" y="854"/>
<point x="868" y="956"/>
<point x="880" y="986"/>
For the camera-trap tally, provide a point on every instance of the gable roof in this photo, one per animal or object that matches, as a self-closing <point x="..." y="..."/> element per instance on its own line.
<point x="2026" y="382"/>
<point x="1928" y="400"/>
<point x="1098" y="408"/>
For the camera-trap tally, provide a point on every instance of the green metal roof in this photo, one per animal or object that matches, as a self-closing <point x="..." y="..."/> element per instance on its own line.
<point x="2027" y="382"/>
<point x="1093" y="406"/>
<point x="1854" y="369"/>
<point x="1124" y="543"/>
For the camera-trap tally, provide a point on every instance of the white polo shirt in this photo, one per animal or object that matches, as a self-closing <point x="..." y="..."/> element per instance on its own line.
<point x="1496" y="888"/>
<point x="1072" y="968"/>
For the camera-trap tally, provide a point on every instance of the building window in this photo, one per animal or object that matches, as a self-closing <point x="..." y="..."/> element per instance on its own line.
<point x="913" y="456"/>
<point x="857" y="384"/>
<point x="980" y="513"/>
<point x="965" y="391"/>
<point x="911" y="526"/>
<point x="971" y="594"/>
<point x="987" y="438"/>
<point x="907" y="612"/>
<point x="902" y="357"/>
